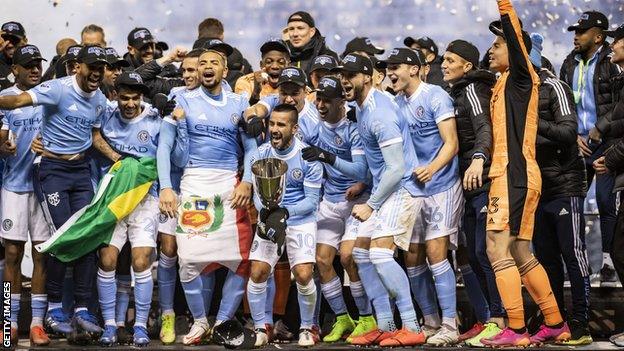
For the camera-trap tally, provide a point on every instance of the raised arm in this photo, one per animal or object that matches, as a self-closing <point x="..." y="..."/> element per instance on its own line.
<point x="519" y="64"/>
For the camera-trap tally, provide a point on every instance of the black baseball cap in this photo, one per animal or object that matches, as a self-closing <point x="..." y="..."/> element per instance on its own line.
<point x="378" y="64"/>
<point x="293" y="75"/>
<point x="13" y="29"/>
<point x="496" y="27"/>
<point x="91" y="54"/>
<point x="132" y="79"/>
<point x="213" y="44"/>
<point x="616" y="34"/>
<point x="403" y="55"/>
<point x="114" y="59"/>
<point x="303" y="17"/>
<point x="465" y="50"/>
<point x="71" y="54"/>
<point x="275" y="45"/>
<point x="324" y="62"/>
<point x="139" y="37"/>
<point x="330" y="88"/>
<point x="590" y="19"/>
<point x="363" y="44"/>
<point x="423" y="42"/>
<point x="356" y="63"/>
<point x="26" y="54"/>
<point x="162" y="46"/>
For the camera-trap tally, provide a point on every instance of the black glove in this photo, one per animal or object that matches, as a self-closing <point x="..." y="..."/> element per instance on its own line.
<point x="254" y="126"/>
<point x="162" y="103"/>
<point x="272" y="226"/>
<point x="313" y="153"/>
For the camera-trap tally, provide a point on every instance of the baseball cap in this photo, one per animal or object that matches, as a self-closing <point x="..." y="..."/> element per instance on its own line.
<point x="497" y="28"/>
<point x="617" y="33"/>
<point x="162" y="46"/>
<point x="324" y="62"/>
<point x="356" y="63"/>
<point x="14" y="29"/>
<point x="132" y="79"/>
<point x="274" y="45"/>
<point x="378" y="64"/>
<point x="423" y="42"/>
<point x="72" y="53"/>
<point x="363" y="44"/>
<point x="114" y="59"/>
<point x="303" y="17"/>
<point x="92" y="54"/>
<point x="26" y="54"/>
<point x="213" y="44"/>
<point x="465" y="50"/>
<point x="590" y="19"/>
<point x="403" y="55"/>
<point x="140" y="36"/>
<point x="330" y="88"/>
<point x="293" y="75"/>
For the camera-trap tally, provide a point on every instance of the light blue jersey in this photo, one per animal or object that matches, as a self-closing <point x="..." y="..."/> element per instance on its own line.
<point x="69" y="114"/>
<point x="176" y="172"/>
<point x="301" y="174"/>
<point x="308" y="118"/>
<point x="380" y="124"/>
<point x="428" y="106"/>
<point x="24" y="123"/>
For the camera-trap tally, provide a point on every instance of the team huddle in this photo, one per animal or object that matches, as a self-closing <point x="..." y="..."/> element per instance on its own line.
<point x="441" y="160"/>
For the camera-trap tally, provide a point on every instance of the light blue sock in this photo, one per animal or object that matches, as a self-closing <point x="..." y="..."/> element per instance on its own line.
<point x="143" y="286"/>
<point x="233" y="290"/>
<point x="124" y="287"/>
<point x="361" y="300"/>
<point x="375" y="290"/>
<point x="270" y="299"/>
<point x="38" y="305"/>
<point x="445" y="284"/>
<point x="166" y="282"/>
<point x="475" y="294"/>
<point x="256" y="297"/>
<point x="107" y="292"/>
<point x="332" y="291"/>
<point x="306" y="296"/>
<point x="15" y="309"/>
<point x="208" y="284"/>
<point x="317" y="305"/>
<point x="397" y="284"/>
<point x="423" y="289"/>
<point x="194" y="298"/>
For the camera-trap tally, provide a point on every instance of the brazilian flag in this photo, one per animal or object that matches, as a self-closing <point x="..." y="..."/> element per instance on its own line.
<point x="118" y="194"/>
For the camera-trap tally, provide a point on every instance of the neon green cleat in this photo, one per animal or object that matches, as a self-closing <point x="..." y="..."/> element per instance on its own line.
<point x="167" y="330"/>
<point x="490" y="330"/>
<point x="363" y="325"/>
<point x="344" y="326"/>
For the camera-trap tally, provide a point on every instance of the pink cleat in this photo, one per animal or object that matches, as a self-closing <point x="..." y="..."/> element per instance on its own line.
<point x="507" y="338"/>
<point x="547" y="334"/>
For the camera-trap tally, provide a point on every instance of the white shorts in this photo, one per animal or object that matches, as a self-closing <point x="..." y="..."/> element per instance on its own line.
<point x="140" y="227"/>
<point x="394" y="218"/>
<point x="21" y="215"/>
<point x="335" y="223"/>
<point x="300" y="245"/>
<point x="439" y="216"/>
<point x="166" y="224"/>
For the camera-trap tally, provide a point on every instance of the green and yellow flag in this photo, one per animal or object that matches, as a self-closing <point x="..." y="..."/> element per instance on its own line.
<point x="118" y="194"/>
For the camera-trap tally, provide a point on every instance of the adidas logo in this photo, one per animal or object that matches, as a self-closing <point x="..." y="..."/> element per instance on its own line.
<point x="73" y="107"/>
<point x="563" y="212"/>
<point x="17" y="111"/>
<point x="202" y="116"/>
<point x="484" y="209"/>
<point x="491" y="221"/>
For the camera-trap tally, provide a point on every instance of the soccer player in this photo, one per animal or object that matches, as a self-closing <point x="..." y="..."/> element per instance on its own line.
<point x="516" y="186"/>
<point x="213" y="224"/>
<point x="21" y="214"/>
<point x="340" y="149"/>
<point x="112" y="71"/>
<point x="72" y="109"/>
<point x="389" y="213"/>
<point x="295" y="218"/>
<point x="430" y="117"/>
<point x="131" y="127"/>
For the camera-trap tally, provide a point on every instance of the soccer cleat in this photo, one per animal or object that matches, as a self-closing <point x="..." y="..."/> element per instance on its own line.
<point x="306" y="338"/>
<point x="109" y="336"/>
<point x="617" y="339"/>
<point x="444" y="337"/>
<point x="549" y="334"/>
<point x="371" y="338"/>
<point x="579" y="334"/>
<point x="507" y="338"/>
<point x="429" y="330"/>
<point x="262" y="338"/>
<point x="167" y="329"/>
<point x="58" y="321"/>
<point x="608" y="277"/>
<point x="198" y="331"/>
<point x="489" y="330"/>
<point x="363" y="325"/>
<point x="344" y="325"/>
<point x="280" y="332"/>
<point x="472" y="332"/>
<point x="88" y="322"/>
<point x="404" y="337"/>
<point x="316" y="333"/>
<point x="141" y="338"/>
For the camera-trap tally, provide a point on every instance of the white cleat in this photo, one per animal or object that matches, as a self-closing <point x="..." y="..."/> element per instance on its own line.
<point x="199" y="330"/>
<point x="262" y="338"/>
<point x="306" y="338"/>
<point x="444" y="337"/>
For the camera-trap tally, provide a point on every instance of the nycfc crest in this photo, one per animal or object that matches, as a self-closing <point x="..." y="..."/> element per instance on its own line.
<point x="200" y="216"/>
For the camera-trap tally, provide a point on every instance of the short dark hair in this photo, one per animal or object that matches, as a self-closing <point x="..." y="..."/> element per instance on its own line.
<point x="195" y="53"/>
<point x="210" y="28"/>
<point x="294" y="114"/>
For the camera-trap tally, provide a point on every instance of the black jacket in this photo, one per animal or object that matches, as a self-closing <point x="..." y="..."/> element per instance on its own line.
<point x="151" y="75"/>
<point x="614" y="157"/>
<point x="435" y="75"/>
<point x="471" y="99"/>
<point x="557" y="153"/>
<point x="304" y="57"/>
<point x="603" y="73"/>
<point x="6" y="75"/>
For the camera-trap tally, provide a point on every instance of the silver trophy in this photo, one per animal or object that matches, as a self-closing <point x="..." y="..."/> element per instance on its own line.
<point x="270" y="180"/>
